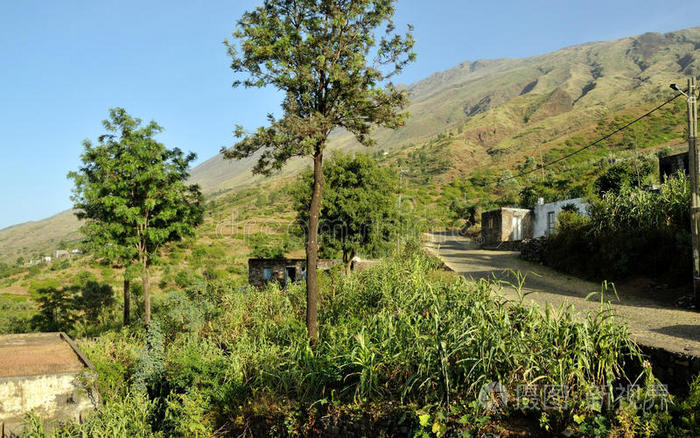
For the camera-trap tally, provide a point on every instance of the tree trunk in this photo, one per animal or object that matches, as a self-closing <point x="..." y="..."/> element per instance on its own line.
<point x="127" y="300"/>
<point x="312" y="250"/>
<point x="147" y="293"/>
<point x="347" y="260"/>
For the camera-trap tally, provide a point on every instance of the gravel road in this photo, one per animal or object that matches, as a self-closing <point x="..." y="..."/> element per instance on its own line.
<point x="650" y="323"/>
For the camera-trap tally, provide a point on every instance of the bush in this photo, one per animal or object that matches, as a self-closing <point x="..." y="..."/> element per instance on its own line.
<point x="402" y="337"/>
<point x="634" y="232"/>
<point x="16" y="314"/>
<point x="185" y="278"/>
<point x="94" y="300"/>
<point x="57" y="308"/>
<point x="83" y="277"/>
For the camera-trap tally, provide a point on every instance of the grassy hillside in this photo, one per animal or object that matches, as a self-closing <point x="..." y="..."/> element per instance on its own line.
<point x="31" y="239"/>
<point x="481" y="116"/>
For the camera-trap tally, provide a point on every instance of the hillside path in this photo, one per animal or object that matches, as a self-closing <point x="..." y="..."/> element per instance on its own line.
<point x="650" y="324"/>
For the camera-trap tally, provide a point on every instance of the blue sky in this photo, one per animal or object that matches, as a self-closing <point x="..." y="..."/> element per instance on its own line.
<point x="64" y="63"/>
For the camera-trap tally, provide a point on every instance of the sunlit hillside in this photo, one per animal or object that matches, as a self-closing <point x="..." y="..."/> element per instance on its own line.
<point x="491" y="113"/>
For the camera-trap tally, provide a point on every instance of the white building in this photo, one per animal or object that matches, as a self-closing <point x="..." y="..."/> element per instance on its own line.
<point x="545" y="217"/>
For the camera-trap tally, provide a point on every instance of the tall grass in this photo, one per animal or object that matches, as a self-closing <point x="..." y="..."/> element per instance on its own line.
<point x="402" y="334"/>
<point x="634" y="232"/>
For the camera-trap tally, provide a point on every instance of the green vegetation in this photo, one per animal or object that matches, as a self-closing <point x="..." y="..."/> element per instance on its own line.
<point x="333" y="63"/>
<point x="630" y="232"/>
<point x="16" y="312"/>
<point x="403" y="342"/>
<point x="405" y="345"/>
<point x="359" y="210"/>
<point x="132" y="195"/>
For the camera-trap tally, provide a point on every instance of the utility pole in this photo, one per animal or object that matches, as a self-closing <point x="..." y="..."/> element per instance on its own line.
<point x="694" y="163"/>
<point x="694" y="180"/>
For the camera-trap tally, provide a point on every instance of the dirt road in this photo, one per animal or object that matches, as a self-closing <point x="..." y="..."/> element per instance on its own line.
<point x="650" y="323"/>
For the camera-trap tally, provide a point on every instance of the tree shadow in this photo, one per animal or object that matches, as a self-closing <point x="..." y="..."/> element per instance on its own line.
<point x="683" y="331"/>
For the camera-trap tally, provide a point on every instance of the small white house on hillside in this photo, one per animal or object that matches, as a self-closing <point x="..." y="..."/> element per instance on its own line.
<point x="545" y="217"/>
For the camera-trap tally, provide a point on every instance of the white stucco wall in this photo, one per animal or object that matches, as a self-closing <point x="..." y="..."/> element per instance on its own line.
<point x="541" y="211"/>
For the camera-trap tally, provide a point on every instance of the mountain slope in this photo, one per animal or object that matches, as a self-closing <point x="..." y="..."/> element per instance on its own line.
<point x="502" y="110"/>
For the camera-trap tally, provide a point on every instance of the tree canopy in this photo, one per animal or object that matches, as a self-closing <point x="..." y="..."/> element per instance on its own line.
<point x="359" y="209"/>
<point x="325" y="56"/>
<point x="132" y="193"/>
<point x="333" y="60"/>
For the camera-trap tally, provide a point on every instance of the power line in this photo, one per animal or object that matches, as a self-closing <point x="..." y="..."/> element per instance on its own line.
<point x="605" y="137"/>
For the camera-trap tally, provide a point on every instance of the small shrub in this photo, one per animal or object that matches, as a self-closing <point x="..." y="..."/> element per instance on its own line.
<point x="83" y="277"/>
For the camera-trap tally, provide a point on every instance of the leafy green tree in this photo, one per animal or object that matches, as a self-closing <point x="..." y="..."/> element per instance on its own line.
<point x="57" y="306"/>
<point x="623" y="174"/>
<point x="507" y="188"/>
<point x="332" y="63"/>
<point x="359" y="209"/>
<point x="133" y="195"/>
<point x="94" y="299"/>
<point x="265" y="246"/>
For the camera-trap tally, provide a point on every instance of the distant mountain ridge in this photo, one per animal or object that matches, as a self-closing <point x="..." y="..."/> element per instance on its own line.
<point x="502" y="109"/>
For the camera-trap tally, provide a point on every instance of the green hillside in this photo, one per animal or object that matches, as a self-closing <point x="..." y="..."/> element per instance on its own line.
<point x="484" y="116"/>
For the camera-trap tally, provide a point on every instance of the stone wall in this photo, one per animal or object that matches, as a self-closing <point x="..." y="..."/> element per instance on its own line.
<point x="256" y="268"/>
<point x="361" y="265"/>
<point x="676" y="370"/>
<point x="497" y="225"/>
<point x="533" y="249"/>
<point x="54" y="398"/>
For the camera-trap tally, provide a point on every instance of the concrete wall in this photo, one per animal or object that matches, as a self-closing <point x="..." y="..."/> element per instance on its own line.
<point x="45" y="373"/>
<point x="55" y="398"/>
<point x="541" y="211"/>
<point x="497" y="225"/>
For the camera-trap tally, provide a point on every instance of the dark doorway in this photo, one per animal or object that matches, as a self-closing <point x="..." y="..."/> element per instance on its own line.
<point x="291" y="274"/>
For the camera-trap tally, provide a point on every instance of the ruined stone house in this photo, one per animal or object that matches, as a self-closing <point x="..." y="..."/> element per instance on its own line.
<point x="287" y="271"/>
<point x="283" y="271"/>
<point x="60" y="253"/>
<point x="672" y="164"/>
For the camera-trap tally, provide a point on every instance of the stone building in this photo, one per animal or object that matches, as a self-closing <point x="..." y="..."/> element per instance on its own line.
<point x="516" y="224"/>
<point x="506" y="225"/>
<point x="671" y="164"/>
<point x="45" y="373"/>
<point x="283" y="271"/>
<point x="60" y="253"/>
<point x="286" y="271"/>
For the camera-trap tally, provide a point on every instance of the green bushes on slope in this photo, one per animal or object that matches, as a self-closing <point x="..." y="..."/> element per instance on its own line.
<point x="404" y="348"/>
<point x="633" y="232"/>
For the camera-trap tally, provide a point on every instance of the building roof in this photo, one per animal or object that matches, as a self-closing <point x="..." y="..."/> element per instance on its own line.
<point x="32" y="354"/>
<point x="508" y="209"/>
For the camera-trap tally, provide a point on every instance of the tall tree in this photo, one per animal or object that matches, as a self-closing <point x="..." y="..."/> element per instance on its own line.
<point x="359" y="209"/>
<point x="132" y="192"/>
<point x="333" y="60"/>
